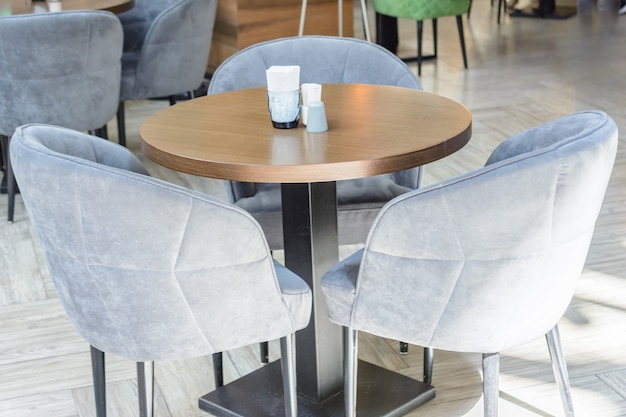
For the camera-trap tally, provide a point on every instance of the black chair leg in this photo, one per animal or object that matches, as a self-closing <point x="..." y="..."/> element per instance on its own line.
<point x="218" y="369"/>
<point x="435" y="38"/>
<point x="459" y="23"/>
<point x="264" y="353"/>
<point x="11" y="183"/>
<point x="420" y="30"/>
<point x="145" y="388"/>
<point x="121" y="124"/>
<point x="102" y="132"/>
<point x="99" y="381"/>
<point x="172" y="100"/>
<point x="429" y="354"/>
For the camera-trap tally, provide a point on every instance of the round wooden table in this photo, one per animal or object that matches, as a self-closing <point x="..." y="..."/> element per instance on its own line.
<point x="14" y="7"/>
<point x="372" y="130"/>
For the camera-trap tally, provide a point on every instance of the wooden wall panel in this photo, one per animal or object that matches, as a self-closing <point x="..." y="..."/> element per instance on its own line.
<point x="241" y="23"/>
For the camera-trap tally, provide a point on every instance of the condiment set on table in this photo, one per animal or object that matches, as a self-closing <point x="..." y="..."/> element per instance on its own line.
<point x="286" y="99"/>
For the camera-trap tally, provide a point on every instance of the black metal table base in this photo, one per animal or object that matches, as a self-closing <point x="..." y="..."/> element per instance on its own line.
<point x="260" y="394"/>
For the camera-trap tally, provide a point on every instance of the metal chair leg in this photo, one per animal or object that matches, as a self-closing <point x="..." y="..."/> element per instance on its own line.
<point x="218" y="369"/>
<point x="350" y="365"/>
<point x="429" y="354"/>
<point x="101" y="132"/>
<point x="491" y="371"/>
<point x="11" y="185"/>
<point x="288" y="366"/>
<point x="434" y="38"/>
<point x="121" y="124"/>
<point x="302" y="18"/>
<point x="559" y="368"/>
<point x="420" y="30"/>
<point x="99" y="381"/>
<point x="10" y="179"/>
<point x="264" y="353"/>
<point x="366" y="24"/>
<point x="459" y="23"/>
<point x="145" y="387"/>
<point x="340" y="18"/>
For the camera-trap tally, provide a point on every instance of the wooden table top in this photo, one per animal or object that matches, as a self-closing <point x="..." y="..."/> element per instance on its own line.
<point x="372" y="130"/>
<point x="14" y="7"/>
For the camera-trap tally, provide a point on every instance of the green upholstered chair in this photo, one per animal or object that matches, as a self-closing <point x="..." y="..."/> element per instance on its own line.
<point x="421" y="10"/>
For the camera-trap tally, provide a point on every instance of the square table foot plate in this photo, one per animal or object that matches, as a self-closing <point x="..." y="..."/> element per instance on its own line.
<point x="381" y="392"/>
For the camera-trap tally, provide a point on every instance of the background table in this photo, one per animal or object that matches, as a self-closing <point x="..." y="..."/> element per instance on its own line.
<point x="28" y="6"/>
<point x="372" y="130"/>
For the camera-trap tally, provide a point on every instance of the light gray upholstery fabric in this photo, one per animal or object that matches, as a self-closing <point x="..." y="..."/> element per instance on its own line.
<point x="59" y="68"/>
<point x="166" y="47"/>
<point x="322" y="59"/>
<point x="145" y="269"/>
<point x="488" y="259"/>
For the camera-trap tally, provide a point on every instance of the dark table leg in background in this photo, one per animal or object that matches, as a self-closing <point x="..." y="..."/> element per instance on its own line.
<point x="387" y="32"/>
<point x="311" y="248"/>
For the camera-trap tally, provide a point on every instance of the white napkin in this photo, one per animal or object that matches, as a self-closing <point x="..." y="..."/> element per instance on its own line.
<point x="55" y="6"/>
<point x="283" y="78"/>
<point x="311" y="93"/>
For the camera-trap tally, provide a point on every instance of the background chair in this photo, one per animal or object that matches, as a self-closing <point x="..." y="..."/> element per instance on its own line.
<point x="421" y="10"/>
<point x="193" y="276"/>
<point x="486" y="260"/>
<point x="166" y="50"/>
<point x="58" y="68"/>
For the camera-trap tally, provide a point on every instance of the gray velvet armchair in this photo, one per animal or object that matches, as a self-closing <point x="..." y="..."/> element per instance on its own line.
<point x="486" y="260"/>
<point x="58" y="68"/>
<point x="148" y="270"/>
<point x="166" y="50"/>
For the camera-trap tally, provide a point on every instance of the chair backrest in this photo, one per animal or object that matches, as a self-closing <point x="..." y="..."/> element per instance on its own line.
<point x="490" y="259"/>
<point x="145" y="269"/>
<point x="137" y="21"/>
<point x="421" y="9"/>
<point x="59" y="68"/>
<point x="167" y="47"/>
<point x="322" y="59"/>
